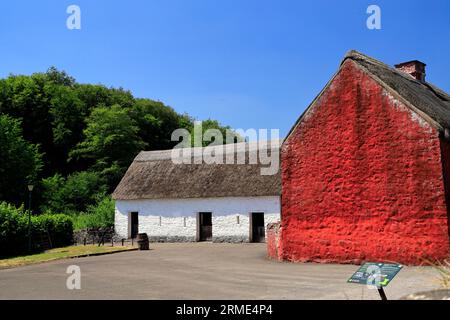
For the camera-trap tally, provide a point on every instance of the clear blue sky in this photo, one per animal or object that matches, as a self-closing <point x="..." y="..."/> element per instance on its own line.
<point x="247" y="63"/>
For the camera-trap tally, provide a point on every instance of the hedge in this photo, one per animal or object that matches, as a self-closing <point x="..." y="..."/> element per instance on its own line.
<point x="14" y="229"/>
<point x="100" y="215"/>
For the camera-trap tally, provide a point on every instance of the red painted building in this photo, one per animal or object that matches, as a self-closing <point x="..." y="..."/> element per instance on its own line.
<point x="365" y="169"/>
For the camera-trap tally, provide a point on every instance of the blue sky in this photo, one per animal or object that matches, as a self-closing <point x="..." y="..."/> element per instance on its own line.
<point x="247" y="63"/>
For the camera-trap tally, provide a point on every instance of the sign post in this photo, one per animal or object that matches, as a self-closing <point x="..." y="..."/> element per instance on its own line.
<point x="382" y="293"/>
<point x="376" y="274"/>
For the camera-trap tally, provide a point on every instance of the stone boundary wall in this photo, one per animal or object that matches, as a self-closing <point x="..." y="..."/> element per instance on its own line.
<point x="273" y="240"/>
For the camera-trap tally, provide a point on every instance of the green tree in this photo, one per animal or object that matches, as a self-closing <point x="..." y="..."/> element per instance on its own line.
<point x="20" y="161"/>
<point x="72" y="194"/>
<point x="111" y="140"/>
<point x="156" y="122"/>
<point x="96" y="95"/>
<point x="67" y="113"/>
<point x="213" y="124"/>
<point x="26" y="98"/>
<point x="59" y="77"/>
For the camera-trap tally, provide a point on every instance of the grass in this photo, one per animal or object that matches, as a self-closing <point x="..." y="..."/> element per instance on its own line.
<point x="444" y="271"/>
<point x="59" y="253"/>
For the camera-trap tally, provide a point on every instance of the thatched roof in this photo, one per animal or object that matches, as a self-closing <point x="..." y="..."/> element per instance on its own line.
<point x="155" y="175"/>
<point x="430" y="102"/>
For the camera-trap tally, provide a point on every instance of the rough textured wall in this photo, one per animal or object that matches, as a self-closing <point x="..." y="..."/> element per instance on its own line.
<point x="362" y="179"/>
<point x="445" y="154"/>
<point x="273" y="241"/>
<point x="174" y="220"/>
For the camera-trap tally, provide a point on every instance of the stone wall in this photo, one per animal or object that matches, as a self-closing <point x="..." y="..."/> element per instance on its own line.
<point x="95" y="235"/>
<point x="273" y="241"/>
<point x="175" y="220"/>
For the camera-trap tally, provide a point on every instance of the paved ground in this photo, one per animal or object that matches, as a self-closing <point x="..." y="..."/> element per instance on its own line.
<point x="200" y="271"/>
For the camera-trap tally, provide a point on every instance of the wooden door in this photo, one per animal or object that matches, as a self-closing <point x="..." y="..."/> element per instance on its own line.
<point x="257" y="228"/>
<point x="205" y="226"/>
<point x="133" y="224"/>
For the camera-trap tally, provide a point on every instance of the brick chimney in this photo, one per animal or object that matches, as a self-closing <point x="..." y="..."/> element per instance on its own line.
<point x="415" y="69"/>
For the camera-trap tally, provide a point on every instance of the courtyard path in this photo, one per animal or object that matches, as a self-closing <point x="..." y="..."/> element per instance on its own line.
<point x="201" y="271"/>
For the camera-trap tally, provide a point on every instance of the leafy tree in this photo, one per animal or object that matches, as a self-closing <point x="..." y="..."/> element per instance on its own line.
<point x="111" y="139"/>
<point x="20" y="161"/>
<point x="66" y="110"/>
<point x="59" y="77"/>
<point x="72" y="194"/>
<point x="213" y="124"/>
<point x="156" y="122"/>
<point x="98" y="95"/>
<point x="28" y="99"/>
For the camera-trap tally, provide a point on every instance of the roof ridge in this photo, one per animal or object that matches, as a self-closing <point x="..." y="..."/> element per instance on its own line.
<point x="426" y="99"/>
<point x="442" y="98"/>
<point x="351" y="54"/>
<point x="158" y="155"/>
<point x="355" y="55"/>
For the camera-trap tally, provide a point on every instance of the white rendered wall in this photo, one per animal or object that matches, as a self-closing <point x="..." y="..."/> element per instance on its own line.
<point x="176" y="219"/>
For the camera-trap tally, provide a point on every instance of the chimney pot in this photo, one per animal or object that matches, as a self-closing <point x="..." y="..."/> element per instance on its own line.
<point x="415" y="69"/>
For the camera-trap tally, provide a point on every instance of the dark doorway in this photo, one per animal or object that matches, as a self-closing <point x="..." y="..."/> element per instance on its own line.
<point x="257" y="230"/>
<point x="204" y="226"/>
<point x="133" y="225"/>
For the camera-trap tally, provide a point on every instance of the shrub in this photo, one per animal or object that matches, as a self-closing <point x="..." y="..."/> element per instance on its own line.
<point x="73" y="194"/>
<point x="14" y="229"/>
<point x="58" y="226"/>
<point x="100" y="215"/>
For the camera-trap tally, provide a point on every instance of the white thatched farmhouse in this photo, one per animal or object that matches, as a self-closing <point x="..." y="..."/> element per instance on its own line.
<point x="201" y="199"/>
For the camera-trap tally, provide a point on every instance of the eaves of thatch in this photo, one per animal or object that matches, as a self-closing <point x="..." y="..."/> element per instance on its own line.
<point x="154" y="175"/>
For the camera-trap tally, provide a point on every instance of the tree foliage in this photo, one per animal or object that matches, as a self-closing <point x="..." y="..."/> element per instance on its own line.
<point x="20" y="161"/>
<point x="72" y="194"/>
<point x="87" y="136"/>
<point x="100" y="215"/>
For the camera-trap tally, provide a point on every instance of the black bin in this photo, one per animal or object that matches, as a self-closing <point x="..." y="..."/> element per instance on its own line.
<point x="142" y="241"/>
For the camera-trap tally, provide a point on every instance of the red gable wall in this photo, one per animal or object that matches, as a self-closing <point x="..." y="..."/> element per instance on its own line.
<point x="362" y="179"/>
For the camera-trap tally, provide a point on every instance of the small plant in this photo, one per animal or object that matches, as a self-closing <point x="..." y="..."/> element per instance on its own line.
<point x="444" y="270"/>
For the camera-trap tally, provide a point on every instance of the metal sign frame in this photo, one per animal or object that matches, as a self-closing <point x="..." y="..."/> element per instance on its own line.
<point x="376" y="274"/>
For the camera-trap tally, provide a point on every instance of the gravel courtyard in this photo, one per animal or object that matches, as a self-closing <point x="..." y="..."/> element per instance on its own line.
<point x="200" y="271"/>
